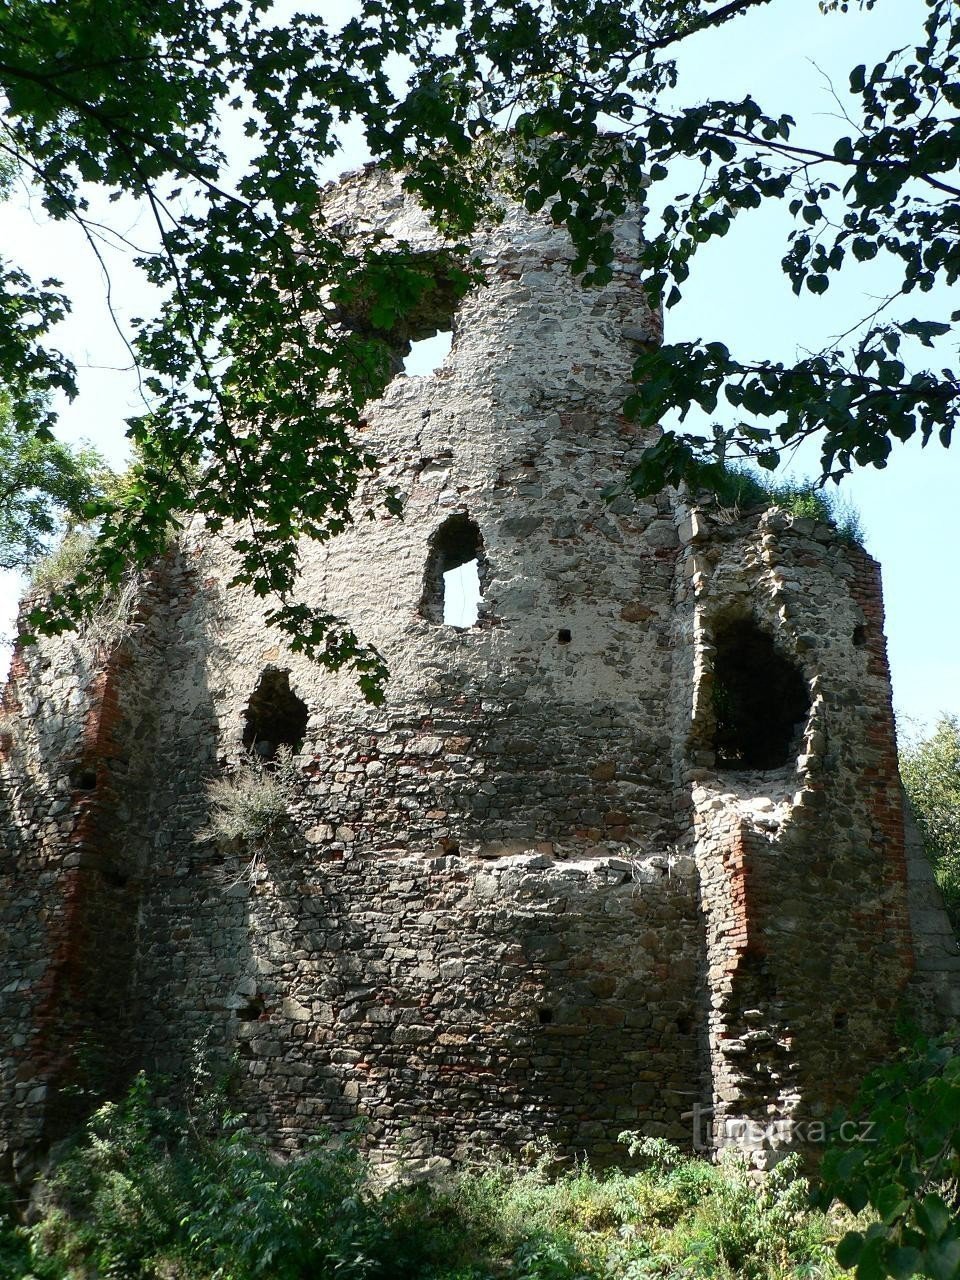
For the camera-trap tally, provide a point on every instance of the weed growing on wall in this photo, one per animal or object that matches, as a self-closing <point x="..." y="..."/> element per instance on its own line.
<point x="108" y="622"/>
<point x="63" y="562"/>
<point x="739" y="488"/>
<point x="148" y="1192"/>
<point x="253" y="803"/>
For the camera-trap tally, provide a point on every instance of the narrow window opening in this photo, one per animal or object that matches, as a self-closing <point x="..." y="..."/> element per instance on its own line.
<point x="453" y="584"/>
<point x="684" y="1025"/>
<point x="427" y="355"/>
<point x="859" y="636"/>
<point x="545" y="1016"/>
<point x="840" y="1020"/>
<point x="564" y="636"/>
<point x="461" y="595"/>
<point x="275" y="716"/>
<point x="760" y="700"/>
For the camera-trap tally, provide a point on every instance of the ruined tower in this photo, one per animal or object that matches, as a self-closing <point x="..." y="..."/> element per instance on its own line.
<point x="626" y="852"/>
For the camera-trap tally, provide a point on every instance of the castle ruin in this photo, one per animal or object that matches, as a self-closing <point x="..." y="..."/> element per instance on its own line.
<point x="628" y="852"/>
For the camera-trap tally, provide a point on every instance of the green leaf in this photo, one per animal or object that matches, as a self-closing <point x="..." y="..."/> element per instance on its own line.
<point x="942" y="1261"/>
<point x="903" y="1262"/>
<point x="856" y="1196"/>
<point x="925" y="330"/>
<point x="933" y="1216"/>
<point x="849" y="1250"/>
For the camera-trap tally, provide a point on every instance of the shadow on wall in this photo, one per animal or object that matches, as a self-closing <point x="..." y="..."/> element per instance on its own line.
<point x="84" y="763"/>
<point x="760" y="698"/>
<point x="448" y="1018"/>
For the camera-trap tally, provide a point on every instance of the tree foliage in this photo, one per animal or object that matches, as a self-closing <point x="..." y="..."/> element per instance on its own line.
<point x="904" y="1166"/>
<point x="930" y="770"/>
<point x="44" y="486"/>
<point x="254" y="386"/>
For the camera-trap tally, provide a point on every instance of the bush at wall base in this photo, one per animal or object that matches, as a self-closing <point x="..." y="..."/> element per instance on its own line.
<point x="904" y="1167"/>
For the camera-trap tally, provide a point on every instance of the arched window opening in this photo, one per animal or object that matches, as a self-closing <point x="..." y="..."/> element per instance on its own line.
<point x="453" y="585"/>
<point x="275" y="716"/>
<point x="428" y="354"/>
<point x="760" y="700"/>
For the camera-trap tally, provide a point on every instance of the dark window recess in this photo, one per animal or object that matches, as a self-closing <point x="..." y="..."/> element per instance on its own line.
<point x="760" y="700"/>
<point x="83" y="777"/>
<point x="456" y="566"/>
<point x="859" y="636"/>
<point x="275" y="716"/>
<point x="564" y="636"/>
<point x="251" y="1011"/>
<point x="114" y="878"/>
<point x="840" y="1020"/>
<point x="545" y="1016"/>
<point x="684" y="1025"/>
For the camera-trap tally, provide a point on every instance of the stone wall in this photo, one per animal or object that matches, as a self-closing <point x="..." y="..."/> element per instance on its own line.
<point x="76" y="767"/>
<point x="537" y="891"/>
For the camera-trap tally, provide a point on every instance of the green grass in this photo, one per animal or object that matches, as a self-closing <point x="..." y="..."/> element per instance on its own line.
<point x="63" y="563"/>
<point x="146" y="1192"/>
<point x="741" y="487"/>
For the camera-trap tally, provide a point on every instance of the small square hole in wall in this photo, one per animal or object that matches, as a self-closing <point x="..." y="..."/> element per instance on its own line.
<point x="544" y="1016"/>
<point x="859" y="636"/>
<point x="564" y="636"/>
<point x="253" y="1010"/>
<point x="840" y="1020"/>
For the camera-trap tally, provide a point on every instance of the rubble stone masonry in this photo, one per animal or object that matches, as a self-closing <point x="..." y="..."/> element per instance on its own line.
<point x="629" y="848"/>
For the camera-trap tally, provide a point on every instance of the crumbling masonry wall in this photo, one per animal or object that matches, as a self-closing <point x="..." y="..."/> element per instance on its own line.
<point x="522" y="896"/>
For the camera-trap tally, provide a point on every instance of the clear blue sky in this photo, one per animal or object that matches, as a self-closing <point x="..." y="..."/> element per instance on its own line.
<point x="784" y="54"/>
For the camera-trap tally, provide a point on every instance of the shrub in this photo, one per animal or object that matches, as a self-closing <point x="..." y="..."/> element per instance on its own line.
<point x="148" y="1192"/>
<point x="15" y="1262"/>
<point x="116" y="1200"/>
<point x="904" y="1167"/>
